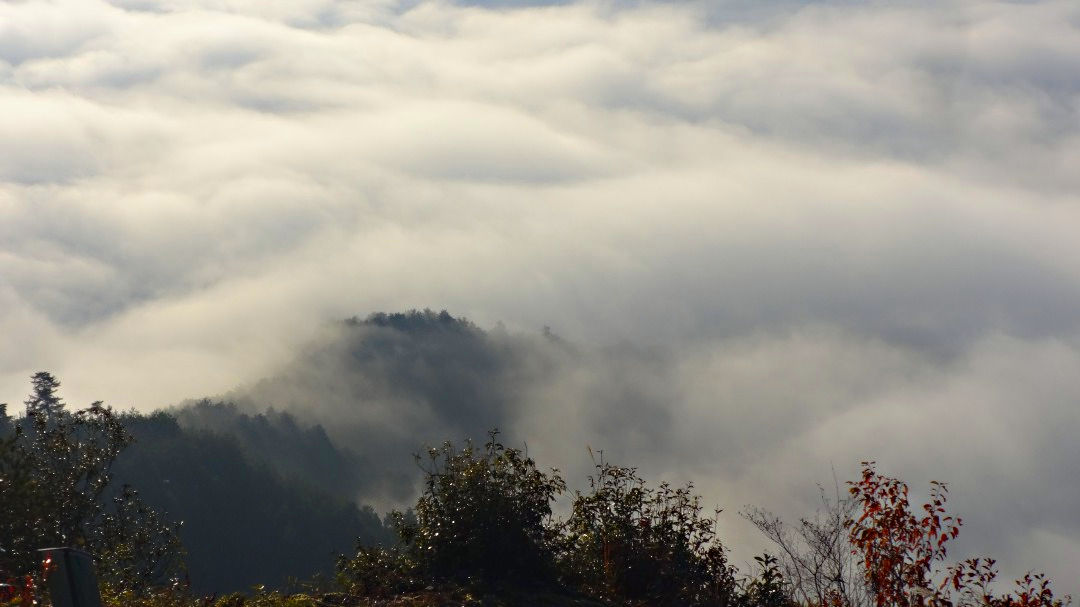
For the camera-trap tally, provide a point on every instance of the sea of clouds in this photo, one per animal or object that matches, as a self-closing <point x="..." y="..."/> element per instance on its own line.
<point x="847" y="230"/>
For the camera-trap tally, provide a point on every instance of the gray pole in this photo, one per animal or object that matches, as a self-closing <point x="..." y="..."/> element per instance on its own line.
<point x="71" y="578"/>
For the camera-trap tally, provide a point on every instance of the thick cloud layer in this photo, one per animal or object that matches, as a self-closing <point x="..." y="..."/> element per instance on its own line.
<point x="850" y="226"/>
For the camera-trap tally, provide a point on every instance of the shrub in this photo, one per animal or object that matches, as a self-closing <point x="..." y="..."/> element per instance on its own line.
<point x="769" y="588"/>
<point x="627" y="541"/>
<point x="379" y="571"/>
<point x="483" y="518"/>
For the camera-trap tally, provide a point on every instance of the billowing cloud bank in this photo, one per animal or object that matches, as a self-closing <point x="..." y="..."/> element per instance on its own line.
<point x="852" y="226"/>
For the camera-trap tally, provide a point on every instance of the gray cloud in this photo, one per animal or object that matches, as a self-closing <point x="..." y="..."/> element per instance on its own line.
<point x="821" y="223"/>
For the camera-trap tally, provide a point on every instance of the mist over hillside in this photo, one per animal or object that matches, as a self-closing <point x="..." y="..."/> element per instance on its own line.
<point x="384" y="386"/>
<point x="273" y="480"/>
<point x="761" y="419"/>
<point x="320" y="450"/>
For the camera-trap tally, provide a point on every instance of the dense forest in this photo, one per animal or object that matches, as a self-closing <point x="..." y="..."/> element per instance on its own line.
<point x="212" y="497"/>
<point x="251" y="511"/>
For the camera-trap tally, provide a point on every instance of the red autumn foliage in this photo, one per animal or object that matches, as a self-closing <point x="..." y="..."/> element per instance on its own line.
<point x="899" y="551"/>
<point x="898" y="548"/>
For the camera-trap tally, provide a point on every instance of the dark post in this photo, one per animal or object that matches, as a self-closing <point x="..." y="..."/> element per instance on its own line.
<point x="71" y="578"/>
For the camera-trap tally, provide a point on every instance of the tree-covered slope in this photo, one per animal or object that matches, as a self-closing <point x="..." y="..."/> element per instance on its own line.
<point x="244" y="523"/>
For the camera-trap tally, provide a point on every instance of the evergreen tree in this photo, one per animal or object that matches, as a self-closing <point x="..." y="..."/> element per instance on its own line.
<point x="44" y="399"/>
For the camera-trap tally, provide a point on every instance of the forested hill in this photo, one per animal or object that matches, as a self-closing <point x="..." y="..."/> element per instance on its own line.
<point x="250" y="515"/>
<point x="271" y="480"/>
<point x="300" y="452"/>
<point x="388" y="384"/>
<point x="267" y="493"/>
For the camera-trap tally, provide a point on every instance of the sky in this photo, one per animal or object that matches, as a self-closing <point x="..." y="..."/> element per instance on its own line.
<point x="848" y="227"/>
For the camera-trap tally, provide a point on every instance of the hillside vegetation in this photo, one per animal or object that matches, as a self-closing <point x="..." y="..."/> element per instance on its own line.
<point x="222" y="504"/>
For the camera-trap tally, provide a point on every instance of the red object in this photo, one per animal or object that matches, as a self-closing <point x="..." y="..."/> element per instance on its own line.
<point x="28" y="591"/>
